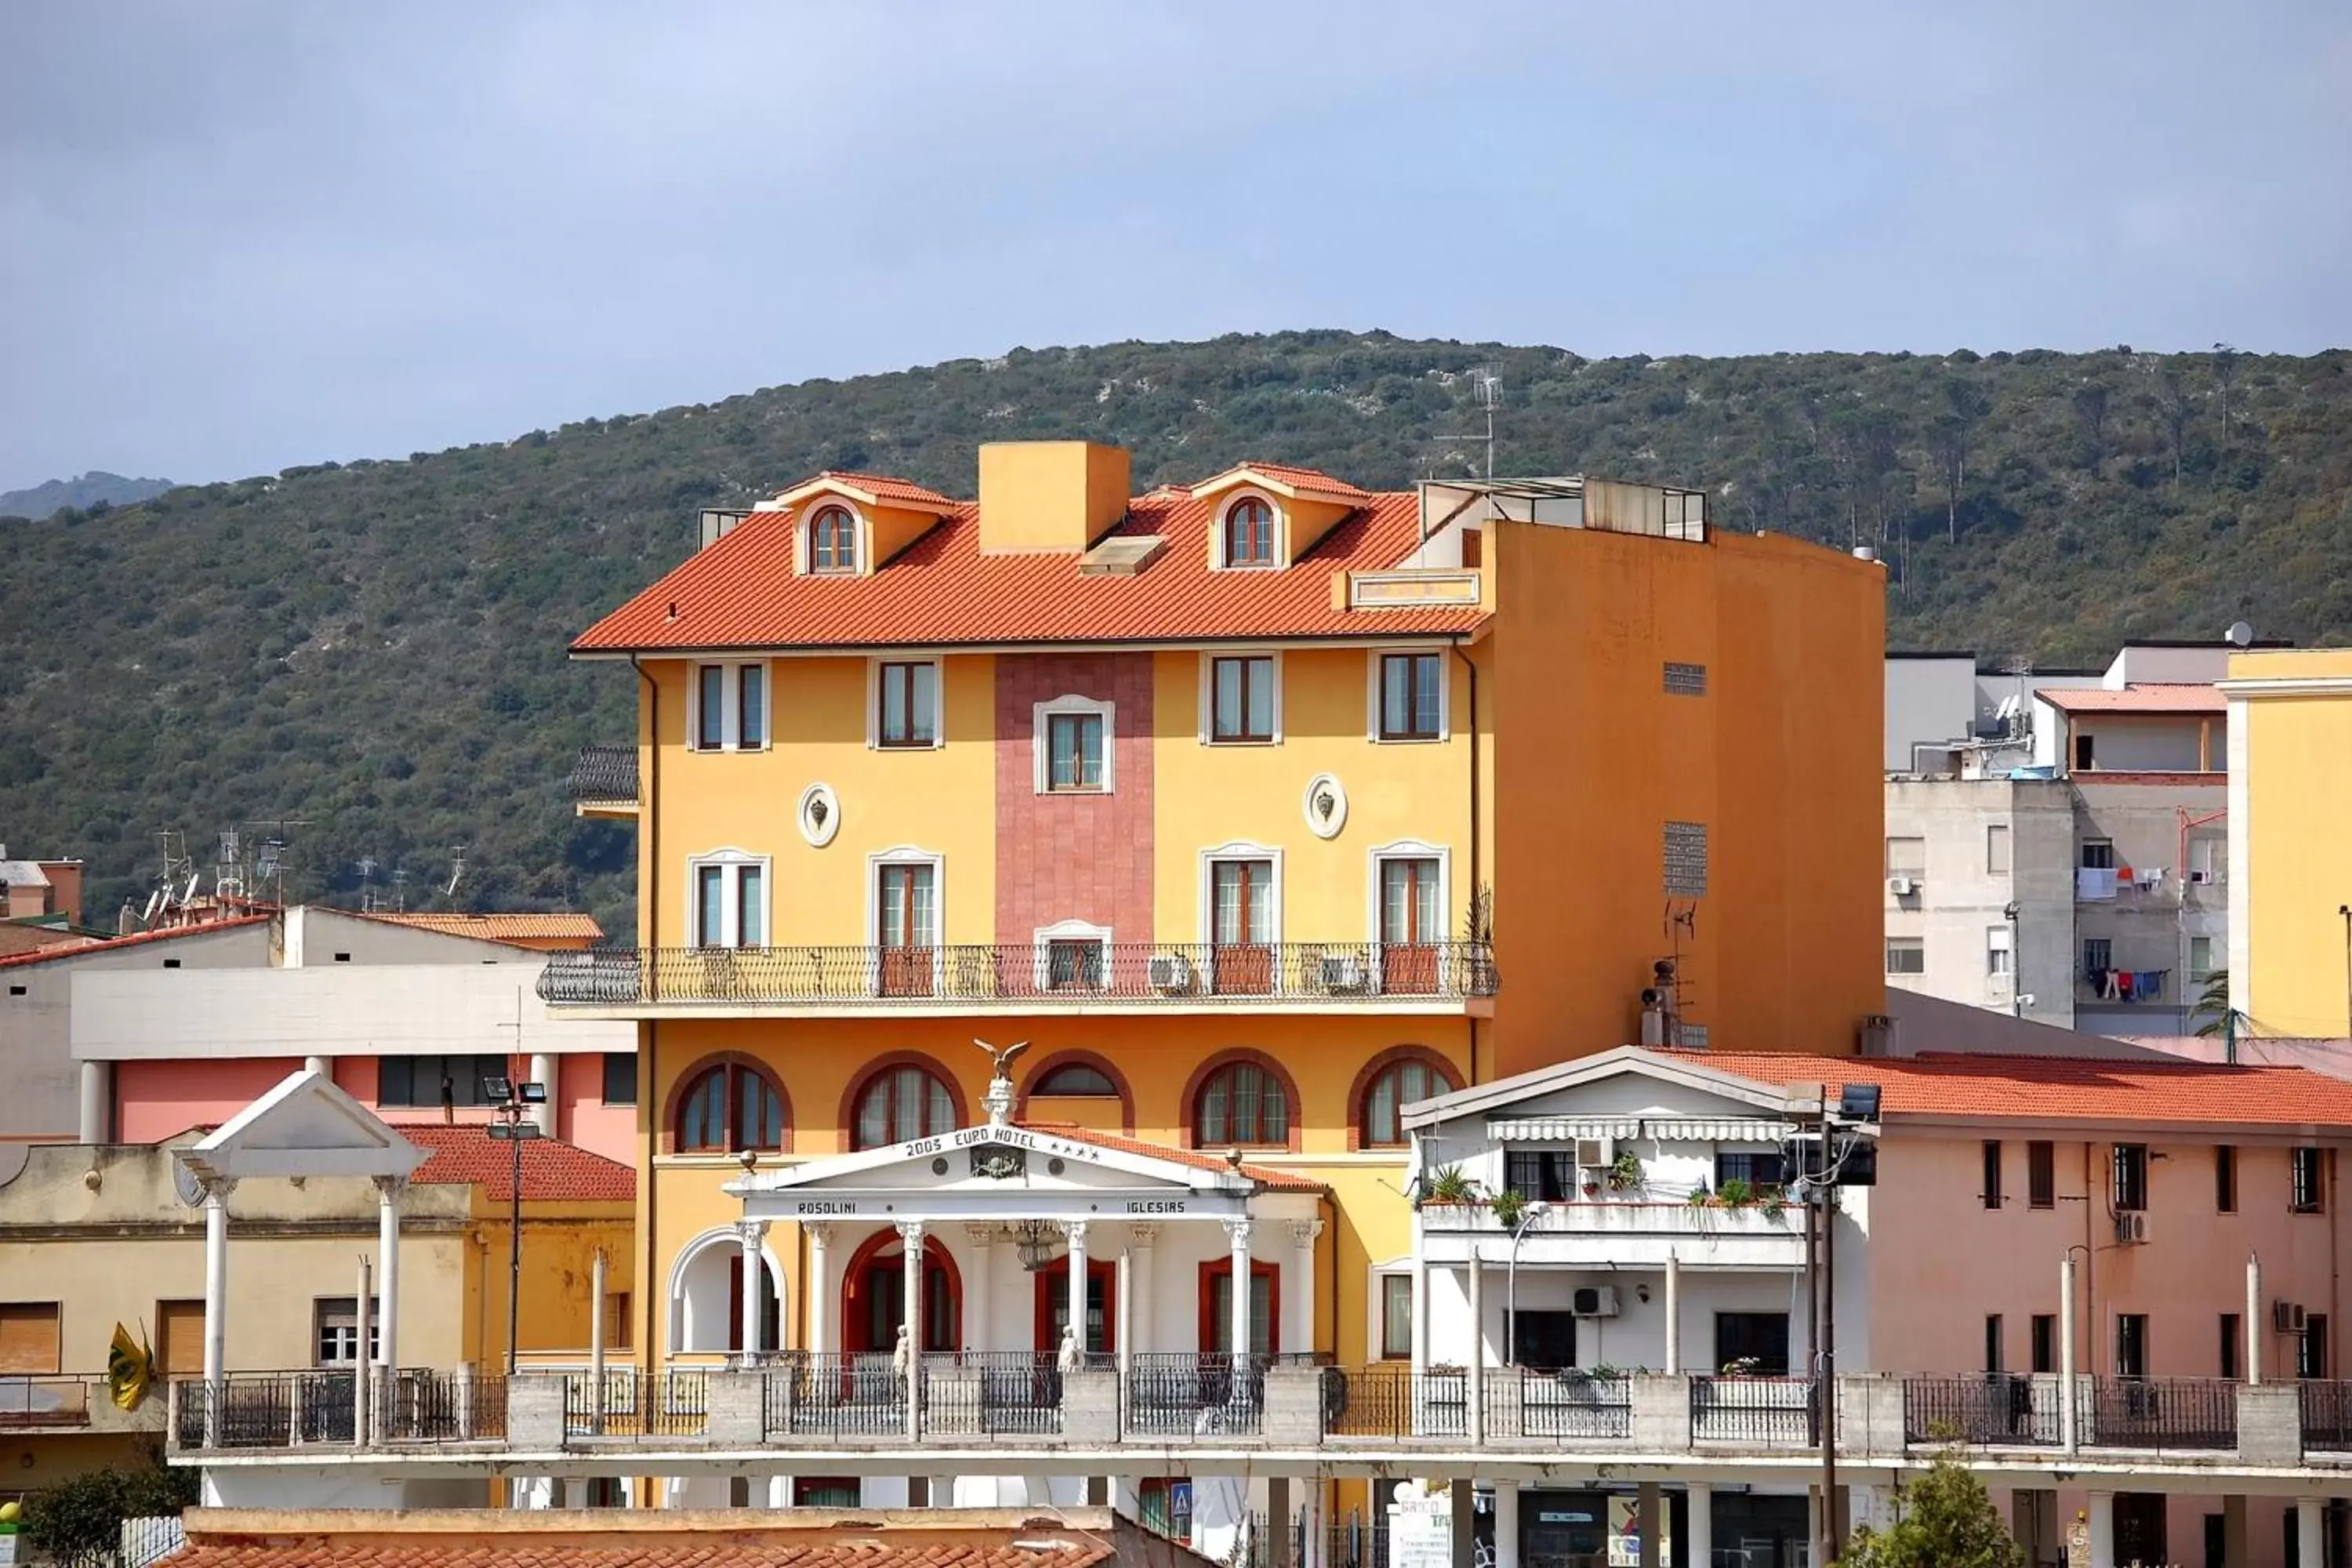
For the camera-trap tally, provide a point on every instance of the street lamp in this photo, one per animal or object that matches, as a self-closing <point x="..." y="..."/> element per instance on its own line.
<point x="1528" y="1214"/>
<point x="512" y="1104"/>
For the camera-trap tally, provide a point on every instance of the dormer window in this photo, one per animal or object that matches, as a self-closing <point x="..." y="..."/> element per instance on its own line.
<point x="1249" y="533"/>
<point x="832" y="541"/>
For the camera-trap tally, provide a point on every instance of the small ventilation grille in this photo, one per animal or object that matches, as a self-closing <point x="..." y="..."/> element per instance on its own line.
<point x="1685" y="679"/>
<point x="1685" y="860"/>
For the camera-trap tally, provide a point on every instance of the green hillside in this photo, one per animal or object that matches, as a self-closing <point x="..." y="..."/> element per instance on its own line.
<point x="377" y="648"/>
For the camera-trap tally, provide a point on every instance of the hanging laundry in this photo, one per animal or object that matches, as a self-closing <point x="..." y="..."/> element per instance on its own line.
<point x="2148" y="985"/>
<point x="2096" y="883"/>
<point x="2121" y="988"/>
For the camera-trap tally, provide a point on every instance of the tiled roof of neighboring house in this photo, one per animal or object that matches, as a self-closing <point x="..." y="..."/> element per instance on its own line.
<point x="2061" y="1088"/>
<point x="1199" y="1159"/>
<point x="23" y="874"/>
<point x="887" y="489"/>
<point x="1297" y="477"/>
<point x="109" y="944"/>
<point x="941" y="591"/>
<point x="500" y="926"/>
<point x="22" y="936"/>
<point x="860" y="1550"/>
<point x="552" y="1172"/>
<point x="2161" y="696"/>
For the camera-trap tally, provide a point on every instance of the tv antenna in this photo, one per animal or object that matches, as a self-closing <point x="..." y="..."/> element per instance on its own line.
<point x="367" y="869"/>
<point x="456" y="871"/>
<point x="400" y="891"/>
<point x="1486" y="388"/>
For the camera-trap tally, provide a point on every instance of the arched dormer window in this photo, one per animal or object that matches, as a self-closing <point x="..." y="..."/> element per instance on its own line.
<point x="1249" y="533"/>
<point x="832" y="541"/>
<point x="730" y="1107"/>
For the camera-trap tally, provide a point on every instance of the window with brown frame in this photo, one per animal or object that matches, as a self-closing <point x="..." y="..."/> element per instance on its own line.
<point x="902" y="1103"/>
<point x="1242" y="1102"/>
<point x="731" y="1108"/>
<point x="1241" y="700"/>
<point x="1412" y="705"/>
<point x="1395" y="1087"/>
<point x="832" y="541"/>
<point x="1249" y="533"/>
<point x="909" y="699"/>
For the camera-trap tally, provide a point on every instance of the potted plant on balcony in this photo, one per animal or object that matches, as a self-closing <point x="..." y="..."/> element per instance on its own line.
<point x="1510" y="1205"/>
<point x="1450" y="1185"/>
<point x="1624" y="1172"/>
<point x="1737" y="1193"/>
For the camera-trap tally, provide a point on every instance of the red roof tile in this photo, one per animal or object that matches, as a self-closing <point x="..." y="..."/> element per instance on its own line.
<point x="499" y="927"/>
<point x="886" y="488"/>
<point x="1291" y="474"/>
<point x="1199" y="1159"/>
<point x="2061" y="1088"/>
<point x="2183" y="696"/>
<point x="109" y="944"/>
<point x="854" y="1548"/>
<point x="941" y="591"/>
<point x="552" y="1172"/>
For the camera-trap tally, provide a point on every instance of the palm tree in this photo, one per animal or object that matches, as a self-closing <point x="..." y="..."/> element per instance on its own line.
<point x="2214" y="1002"/>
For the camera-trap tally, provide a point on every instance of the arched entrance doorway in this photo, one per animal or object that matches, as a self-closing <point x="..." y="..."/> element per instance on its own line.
<point x="705" y="1302"/>
<point x="874" y="1296"/>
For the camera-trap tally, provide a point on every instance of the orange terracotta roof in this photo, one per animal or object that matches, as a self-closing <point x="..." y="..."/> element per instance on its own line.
<point x="869" y="1547"/>
<point x="886" y="488"/>
<point x="2061" y="1088"/>
<point x="109" y="944"/>
<point x="500" y="926"/>
<point x="743" y="592"/>
<point x="1199" y="1159"/>
<point x="552" y="1172"/>
<point x="1293" y="475"/>
<point x="2162" y="697"/>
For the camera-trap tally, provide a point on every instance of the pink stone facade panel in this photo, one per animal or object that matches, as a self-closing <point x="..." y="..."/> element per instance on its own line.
<point x="1074" y="856"/>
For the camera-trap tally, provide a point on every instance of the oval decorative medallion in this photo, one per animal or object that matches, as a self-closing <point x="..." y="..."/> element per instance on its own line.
<point x="1326" y="806"/>
<point x="819" y="814"/>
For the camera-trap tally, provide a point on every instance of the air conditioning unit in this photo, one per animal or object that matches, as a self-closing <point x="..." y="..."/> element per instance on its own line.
<point x="1595" y="1301"/>
<point x="1344" y="973"/>
<point x="1171" y="973"/>
<point x="2288" y="1317"/>
<point x="2202" y="878"/>
<point x="2131" y="1228"/>
<point x="1595" y="1153"/>
<point x="1901" y="887"/>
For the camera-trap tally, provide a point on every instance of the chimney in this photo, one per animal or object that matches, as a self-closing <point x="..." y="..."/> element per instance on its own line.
<point x="1878" y="1034"/>
<point x="1049" y="496"/>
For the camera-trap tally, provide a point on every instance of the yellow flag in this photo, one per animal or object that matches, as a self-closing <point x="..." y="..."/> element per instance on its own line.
<point x="130" y="1368"/>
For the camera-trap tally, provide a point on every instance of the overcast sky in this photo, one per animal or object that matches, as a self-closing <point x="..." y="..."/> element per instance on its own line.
<point x="235" y="236"/>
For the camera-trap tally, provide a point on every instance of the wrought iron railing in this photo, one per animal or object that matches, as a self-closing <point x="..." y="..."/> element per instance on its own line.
<point x="1202" y="1394"/>
<point x="1575" y="1404"/>
<point x="445" y="1407"/>
<point x="1985" y="1408"/>
<point x="2159" y="1412"/>
<point x="1770" y="1411"/>
<point x="2326" y="1415"/>
<point x="1390" y="1400"/>
<point x="1030" y="973"/>
<point x="675" y="1403"/>
<point x="605" y="774"/>
<point x="824" y="1395"/>
<point x="268" y="1410"/>
<point x="993" y="1392"/>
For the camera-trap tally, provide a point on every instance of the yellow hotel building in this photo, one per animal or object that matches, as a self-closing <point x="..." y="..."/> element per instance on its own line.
<point x="2290" y="868"/>
<point x="1257" y="808"/>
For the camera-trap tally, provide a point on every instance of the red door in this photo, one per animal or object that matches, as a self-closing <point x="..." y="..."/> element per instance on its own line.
<point x="1102" y="1307"/>
<point x="1412" y="925"/>
<point x="905" y="910"/>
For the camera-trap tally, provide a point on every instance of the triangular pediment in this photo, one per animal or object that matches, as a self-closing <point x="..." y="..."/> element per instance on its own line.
<point x="1627" y="1083"/>
<point x="978" y="1170"/>
<point x="303" y="1127"/>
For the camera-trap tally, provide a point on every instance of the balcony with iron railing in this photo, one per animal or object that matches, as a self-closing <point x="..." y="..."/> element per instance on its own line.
<point x="604" y="781"/>
<point x="1431" y="977"/>
<point x="42" y="1402"/>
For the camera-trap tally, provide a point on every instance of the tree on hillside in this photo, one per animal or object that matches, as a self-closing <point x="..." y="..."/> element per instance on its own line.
<point x="2225" y="375"/>
<point x="2091" y="409"/>
<point x="1964" y="406"/>
<point x="1947" y="1521"/>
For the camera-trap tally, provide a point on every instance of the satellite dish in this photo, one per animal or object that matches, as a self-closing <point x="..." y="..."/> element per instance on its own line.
<point x="2241" y="635"/>
<point x="154" y="907"/>
<point x="192" y="1191"/>
<point x="190" y="890"/>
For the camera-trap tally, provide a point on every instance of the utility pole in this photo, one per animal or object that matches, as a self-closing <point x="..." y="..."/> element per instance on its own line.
<point x="512" y="1104"/>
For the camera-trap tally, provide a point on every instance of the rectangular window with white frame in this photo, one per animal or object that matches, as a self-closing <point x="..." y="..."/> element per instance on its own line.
<point x="1074" y="737"/>
<point x="730" y="707"/>
<point x="1408" y="697"/>
<point x="906" y="705"/>
<point x="1409" y="915"/>
<point x="1999" y="965"/>
<point x="2200" y="960"/>
<point x="1073" y="955"/>
<point x="1907" y="856"/>
<point x="1396" y="1317"/>
<point x="906" y="922"/>
<point x="1241" y="699"/>
<point x="1242" y="917"/>
<point x="2209" y="859"/>
<point x="1906" y="955"/>
<point x="731" y="900"/>
<point x="1997" y="849"/>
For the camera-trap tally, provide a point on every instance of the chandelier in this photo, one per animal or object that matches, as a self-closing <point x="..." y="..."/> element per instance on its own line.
<point x="1038" y="1242"/>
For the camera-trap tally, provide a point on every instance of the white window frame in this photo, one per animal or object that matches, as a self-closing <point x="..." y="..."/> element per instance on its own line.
<point x="1044" y="937"/>
<point x="1068" y="703"/>
<point x="1208" y="725"/>
<point x="2200" y="976"/>
<point x="1916" y="873"/>
<point x="1217" y="558"/>
<point x="730" y="704"/>
<point x="1376" y="1317"/>
<point x="805" y="542"/>
<point x="874" y="703"/>
<point x="2006" y="839"/>
<point x="1921" y="943"/>
<point x="730" y="921"/>
<point x="1372" y="697"/>
<point x="1406" y="850"/>
<point x="1998" y="941"/>
<point x="1235" y="849"/>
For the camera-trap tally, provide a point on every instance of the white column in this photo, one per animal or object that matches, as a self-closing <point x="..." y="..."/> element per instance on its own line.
<point x="2253" y="1318"/>
<point x="1299" y="1290"/>
<point x="1123" y="1326"/>
<point x="324" y="1066"/>
<point x="1476" y="1360"/>
<point x="1140" y="1239"/>
<point x="820" y="1286"/>
<point x="387" y="1267"/>
<point x="217" y="1192"/>
<point x="542" y="1071"/>
<point x="1506" y="1526"/>
<point x="97" y="1091"/>
<point x="1674" y="1325"/>
<point x="359" y="1358"/>
<point x="752" y="1233"/>
<point x="979" y="1286"/>
<point x="2067" y="1437"/>
<point x="597" y="1334"/>
<point x="911" y="1238"/>
<point x="1698" y="1525"/>
<point x="2306" y="1532"/>
<point x="2103" y="1530"/>
<point x="1238" y="1232"/>
<point x="1420" y="1312"/>
<point x="1076" y="1229"/>
<point x="1313" y="1505"/>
